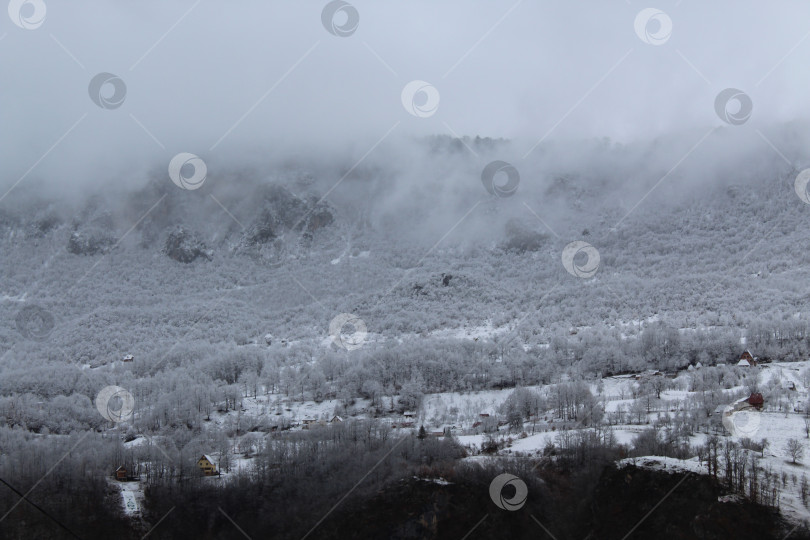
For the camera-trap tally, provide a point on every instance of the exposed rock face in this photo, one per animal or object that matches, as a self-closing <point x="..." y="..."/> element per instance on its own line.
<point x="93" y="230"/>
<point x="520" y="238"/>
<point x="186" y="247"/>
<point x="281" y="210"/>
<point x="278" y="220"/>
<point x="44" y="225"/>
<point x="285" y="208"/>
<point x="89" y="242"/>
<point x="261" y="231"/>
<point x="319" y="218"/>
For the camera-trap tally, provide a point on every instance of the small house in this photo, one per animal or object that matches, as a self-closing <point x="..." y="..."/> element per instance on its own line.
<point x="207" y="465"/>
<point x="747" y="359"/>
<point x="336" y="419"/>
<point x="311" y="422"/>
<point x="409" y="414"/>
<point x="756" y="400"/>
<point x="121" y="473"/>
<point x="129" y="358"/>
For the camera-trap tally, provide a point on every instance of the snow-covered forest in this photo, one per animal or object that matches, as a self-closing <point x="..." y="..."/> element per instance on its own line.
<point x="238" y="303"/>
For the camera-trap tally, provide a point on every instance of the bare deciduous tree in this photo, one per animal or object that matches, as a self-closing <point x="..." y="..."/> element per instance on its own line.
<point x="794" y="449"/>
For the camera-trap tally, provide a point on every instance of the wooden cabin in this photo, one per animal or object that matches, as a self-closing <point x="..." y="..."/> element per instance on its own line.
<point x="121" y="474"/>
<point x="756" y="400"/>
<point x="747" y="359"/>
<point x="207" y="465"/>
<point x="129" y="358"/>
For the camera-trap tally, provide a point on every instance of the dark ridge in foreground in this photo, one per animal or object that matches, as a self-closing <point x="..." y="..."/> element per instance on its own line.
<point x="622" y="504"/>
<point x="424" y="509"/>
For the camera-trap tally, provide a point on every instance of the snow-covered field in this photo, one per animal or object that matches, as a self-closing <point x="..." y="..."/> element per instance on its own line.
<point x="131" y="496"/>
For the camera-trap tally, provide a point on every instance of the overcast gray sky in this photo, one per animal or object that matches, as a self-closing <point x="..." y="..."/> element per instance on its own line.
<point x="224" y="79"/>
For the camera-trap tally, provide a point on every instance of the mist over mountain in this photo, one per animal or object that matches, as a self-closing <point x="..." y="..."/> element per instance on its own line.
<point x="712" y="245"/>
<point x="404" y="270"/>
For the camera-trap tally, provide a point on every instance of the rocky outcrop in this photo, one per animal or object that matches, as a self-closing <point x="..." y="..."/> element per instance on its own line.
<point x="282" y="211"/>
<point x="520" y="238"/>
<point x="186" y="247"/>
<point x="90" y="242"/>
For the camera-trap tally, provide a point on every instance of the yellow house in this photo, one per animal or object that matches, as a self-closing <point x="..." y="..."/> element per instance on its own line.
<point x="207" y="465"/>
